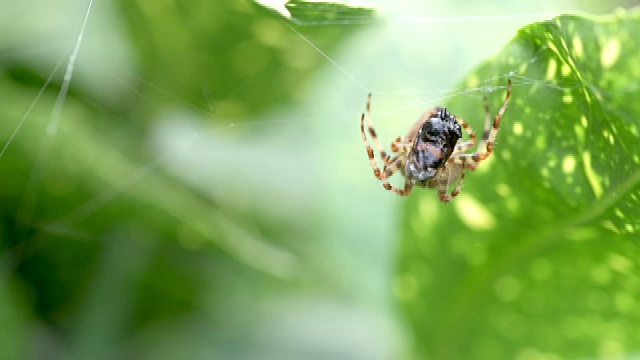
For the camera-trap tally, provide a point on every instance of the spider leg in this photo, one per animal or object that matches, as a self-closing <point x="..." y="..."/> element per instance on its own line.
<point x="466" y="145"/>
<point x="442" y="190"/>
<point x="402" y="192"/>
<point x="401" y="145"/>
<point x="487" y="125"/>
<point x="442" y="186"/>
<point x="496" y="122"/>
<point x="466" y="160"/>
<point x="395" y="146"/>
<point x="390" y="168"/>
<point x="491" y="136"/>
<point x="372" y="132"/>
<point x="386" y="159"/>
<point x="370" y="153"/>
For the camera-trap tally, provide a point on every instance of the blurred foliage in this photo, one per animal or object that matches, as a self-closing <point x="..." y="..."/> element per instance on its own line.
<point x="107" y="251"/>
<point x="99" y="247"/>
<point x="538" y="258"/>
<point x="218" y="49"/>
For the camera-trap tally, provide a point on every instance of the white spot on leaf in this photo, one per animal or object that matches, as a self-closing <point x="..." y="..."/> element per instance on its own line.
<point x="473" y="214"/>
<point x="517" y="128"/>
<point x="592" y="177"/>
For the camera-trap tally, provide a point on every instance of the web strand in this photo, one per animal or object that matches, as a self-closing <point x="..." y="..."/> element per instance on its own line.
<point x="29" y="199"/>
<point x="52" y="129"/>
<point x="338" y="66"/>
<point x="32" y="106"/>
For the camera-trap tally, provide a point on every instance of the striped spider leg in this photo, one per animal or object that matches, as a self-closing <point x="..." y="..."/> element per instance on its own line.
<point x="431" y="155"/>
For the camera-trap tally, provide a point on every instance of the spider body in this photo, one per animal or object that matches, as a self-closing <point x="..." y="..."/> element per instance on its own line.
<point x="431" y="155"/>
<point x="432" y="147"/>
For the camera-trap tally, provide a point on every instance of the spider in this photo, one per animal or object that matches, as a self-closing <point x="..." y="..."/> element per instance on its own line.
<point x="430" y="155"/>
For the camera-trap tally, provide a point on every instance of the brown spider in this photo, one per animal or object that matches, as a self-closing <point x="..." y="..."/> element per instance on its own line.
<point x="430" y="155"/>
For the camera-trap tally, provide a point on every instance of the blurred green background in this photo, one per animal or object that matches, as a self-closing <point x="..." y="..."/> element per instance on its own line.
<point x="207" y="194"/>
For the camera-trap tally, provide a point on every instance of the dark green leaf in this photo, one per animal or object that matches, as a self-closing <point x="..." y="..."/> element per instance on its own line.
<point x="323" y="12"/>
<point x="538" y="256"/>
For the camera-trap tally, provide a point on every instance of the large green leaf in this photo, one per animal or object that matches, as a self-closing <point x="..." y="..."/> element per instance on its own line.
<point x="538" y="256"/>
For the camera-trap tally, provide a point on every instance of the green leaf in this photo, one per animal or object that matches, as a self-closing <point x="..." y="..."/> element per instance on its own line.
<point x="538" y="256"/>
<point x="307" y="12"/>
<point x="320" y="12"/>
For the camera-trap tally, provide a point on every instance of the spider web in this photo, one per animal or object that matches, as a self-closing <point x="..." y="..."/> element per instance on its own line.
<point x="396" y="98"/>
<point x="402" y="100"/>
<point x="406" y="62"/>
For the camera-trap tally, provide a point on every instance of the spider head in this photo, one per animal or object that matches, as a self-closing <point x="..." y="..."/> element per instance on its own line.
<point x="433" y="145"/>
